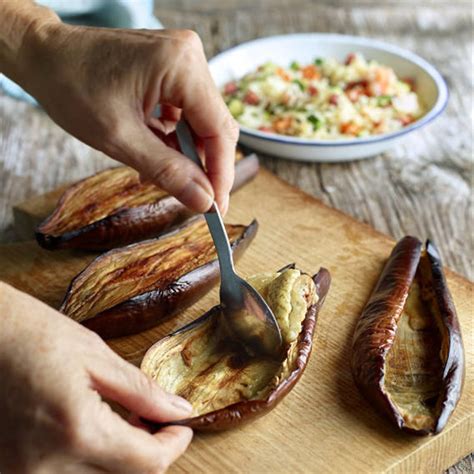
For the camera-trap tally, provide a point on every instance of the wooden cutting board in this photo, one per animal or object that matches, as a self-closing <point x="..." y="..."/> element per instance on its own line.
<point x="323" y="425"/>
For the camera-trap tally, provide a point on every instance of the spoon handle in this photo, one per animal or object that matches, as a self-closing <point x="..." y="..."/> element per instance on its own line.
<point x="213" y="216"/>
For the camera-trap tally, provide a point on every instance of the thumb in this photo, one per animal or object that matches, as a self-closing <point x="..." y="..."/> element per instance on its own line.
<point x="166" y="167"/>
<point x="117" y="380"/>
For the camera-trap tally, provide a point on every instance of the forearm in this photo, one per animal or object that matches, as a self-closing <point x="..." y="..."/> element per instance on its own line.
<point x="19" y="18"/>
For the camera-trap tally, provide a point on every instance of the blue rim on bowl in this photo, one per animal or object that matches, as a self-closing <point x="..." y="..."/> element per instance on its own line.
<point x="435" y="111"/>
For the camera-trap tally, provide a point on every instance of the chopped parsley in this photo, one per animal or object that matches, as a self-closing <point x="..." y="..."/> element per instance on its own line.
<point x="295" y="66"/>
<point x="299" y="84"/>
<point x="384" y="100"/>
<point x="316" y="122"/>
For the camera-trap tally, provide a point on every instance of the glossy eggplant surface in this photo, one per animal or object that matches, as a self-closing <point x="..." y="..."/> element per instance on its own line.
<point x="407" y="354"/>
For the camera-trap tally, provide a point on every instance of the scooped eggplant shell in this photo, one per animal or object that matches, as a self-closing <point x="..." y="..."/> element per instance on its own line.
<point x="130" y="289"/>
<point x="113" y="208"/>
<point x="408" y="357"/>
<point x="225" y="385"/>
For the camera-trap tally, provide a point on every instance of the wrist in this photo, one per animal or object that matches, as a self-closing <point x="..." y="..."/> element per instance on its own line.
<point x="24" y="24"/>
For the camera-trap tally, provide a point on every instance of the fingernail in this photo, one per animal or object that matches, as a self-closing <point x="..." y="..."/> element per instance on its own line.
<point x="197" y="196"/>
<point x="180" y="403"/>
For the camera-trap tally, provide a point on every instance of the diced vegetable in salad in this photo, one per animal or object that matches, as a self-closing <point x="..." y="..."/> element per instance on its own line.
<point x="326" y="99"/>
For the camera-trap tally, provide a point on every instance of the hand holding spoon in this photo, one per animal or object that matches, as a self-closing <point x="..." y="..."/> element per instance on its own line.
<point x="246" y="314"/>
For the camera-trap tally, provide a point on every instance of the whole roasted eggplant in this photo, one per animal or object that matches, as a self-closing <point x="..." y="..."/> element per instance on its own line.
<point x="226" y="385"/>
<point x="113" y="208"/>
<point x="130" y="289"/>
<point x="407" y="352"/>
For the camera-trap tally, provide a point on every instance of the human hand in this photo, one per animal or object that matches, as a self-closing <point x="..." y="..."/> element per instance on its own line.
<point x="53" y="374"/>
<point x="102" y="86"/>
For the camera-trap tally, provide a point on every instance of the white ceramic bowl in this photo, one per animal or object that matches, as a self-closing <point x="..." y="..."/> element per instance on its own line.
<point x="235" y="62"/>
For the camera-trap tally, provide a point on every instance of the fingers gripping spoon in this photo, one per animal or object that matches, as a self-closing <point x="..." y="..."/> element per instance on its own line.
<point x="247" y="316"/>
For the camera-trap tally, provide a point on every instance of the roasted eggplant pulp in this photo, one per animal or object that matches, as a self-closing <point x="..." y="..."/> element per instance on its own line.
<point x="226" y="385"/>
<point x="130" y="289"/>
<point x="407" y="351"/>
<point x="115" y="208"/>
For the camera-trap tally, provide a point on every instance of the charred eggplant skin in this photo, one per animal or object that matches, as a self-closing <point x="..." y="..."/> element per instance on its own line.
<point x="454" y="369"/>
<point x="123" y="227"/>
<point x="148" y="309"/>
<point x="135" y="223"/>
<point x="246" y="411"/>
<point x="376" y="329"/>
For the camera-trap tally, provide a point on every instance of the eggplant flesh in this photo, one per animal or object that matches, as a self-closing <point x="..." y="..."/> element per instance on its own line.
<point x="418" y="374"/>
<point x="114" y="189"/>
<point x="226" y="385"/>
<point x="129" y="289"/>
<point x="114" y="208"/>
<point x="210" y="373"/>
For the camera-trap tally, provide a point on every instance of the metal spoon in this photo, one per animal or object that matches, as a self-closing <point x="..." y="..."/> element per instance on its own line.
<point x="247" y="316"/>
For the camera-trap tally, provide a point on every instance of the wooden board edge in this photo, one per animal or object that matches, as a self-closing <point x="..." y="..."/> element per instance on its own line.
<point x="27" y="206"/>
<point x="25" y="219"/>
<point x="306" y="196"/>
<point x="367" y="227"/>
<point x="439" y="454"/>
<point x="28" y="214"/>
<point x="24" y="224"/>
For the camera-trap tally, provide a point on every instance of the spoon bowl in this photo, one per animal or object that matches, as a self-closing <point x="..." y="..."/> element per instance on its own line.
<point x="247" y="317"/>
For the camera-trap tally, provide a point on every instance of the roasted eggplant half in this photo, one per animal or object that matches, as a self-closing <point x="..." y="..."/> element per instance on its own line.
<point x="225" y="385"/>
<point x="114" y="208"/>
<point x="130" y="289"/>
<point x="407" y="353"/>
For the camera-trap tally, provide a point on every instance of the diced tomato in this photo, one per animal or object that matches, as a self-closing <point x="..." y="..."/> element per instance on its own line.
<point x="379" y="126"/>
<point x="350" y="58"/>
<point x="354" y="94"/>
<point x="355" y="89"/>
<point x="406" y="120"/>
<point x="379" y="86"/>
<point x="230" y="88"/>
<point x="352" y="85"/>
<point x="284" y="99"/>
<point x="282" y="125"/>
<point x="283" y="74"/>
<point x="313" y="90"/>
<point x="251" y="98"/>
<point x="410" y="81"/>
<point x="334" y="99"/>
<point x="310" y="72"/>
<point x="349" y="128"/>
<point x="265" y="129"/>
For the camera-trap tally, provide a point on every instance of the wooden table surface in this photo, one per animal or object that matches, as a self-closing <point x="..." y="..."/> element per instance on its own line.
<point x="422" y="187"/>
